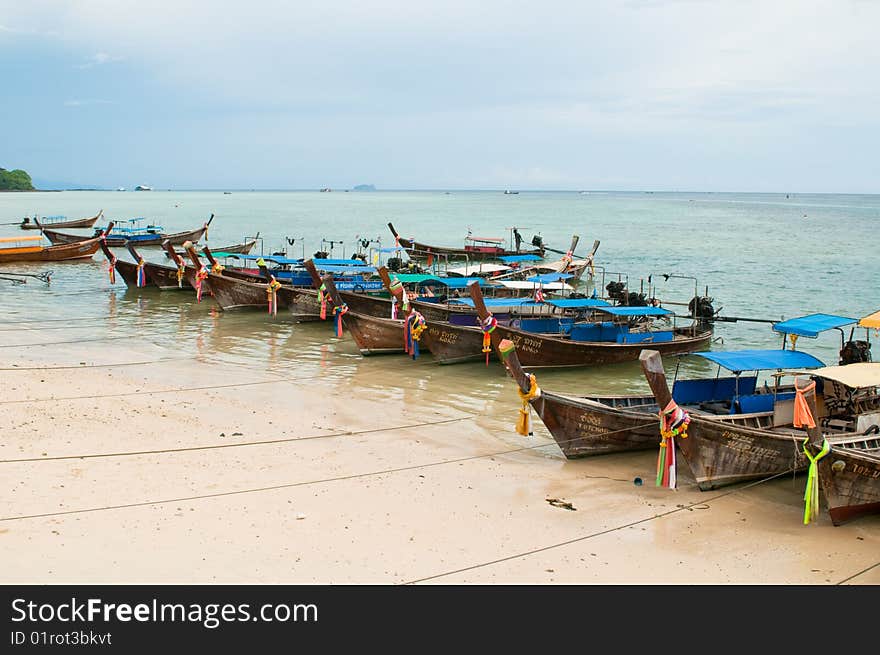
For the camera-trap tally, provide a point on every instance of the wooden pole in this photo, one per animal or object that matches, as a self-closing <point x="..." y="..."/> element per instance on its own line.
<point x="327" y="280"/>
<point x="193" y="255"/>
<point x="507" y="349"/>
<point x="166" y="244"/>
<point x="313" y="272"/>
<point x="652" y="367"/>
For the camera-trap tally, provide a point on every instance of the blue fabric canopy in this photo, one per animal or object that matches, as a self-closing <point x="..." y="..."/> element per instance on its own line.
<point x="338" y="262"/>
<point x="345" y="270"/>
<point x="507" y="259"/>
<point x="812" y="324"/>
<point x="497" y="302"/>
<point x="549" y="277"/>
<point x="762" y="360"/>
<point x="577" y="303"/>
<point x="634" y="311"/>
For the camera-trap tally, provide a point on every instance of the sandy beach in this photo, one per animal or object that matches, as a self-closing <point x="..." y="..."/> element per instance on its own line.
<point x="133" y="462"/>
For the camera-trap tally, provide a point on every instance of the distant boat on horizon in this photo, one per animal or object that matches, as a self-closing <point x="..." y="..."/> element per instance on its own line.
<point x="120" y="188"/>
<point x="508" y="192"/>
<point x="143" y="187"/>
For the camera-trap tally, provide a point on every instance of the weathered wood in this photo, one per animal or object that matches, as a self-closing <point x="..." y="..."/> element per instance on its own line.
<point x="849" y="476"/>
<point x="507" y="350"/>
<point x="72" y="223"/>
<point x="652" y="366"/>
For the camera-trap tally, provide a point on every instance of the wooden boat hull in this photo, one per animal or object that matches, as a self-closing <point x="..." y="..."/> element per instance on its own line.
<point x="75" y="223"/>
<point x="231" y="293"/>
<point x="307" y="307"/>
<point x="55" y="253"/>
<point x="128" y="272"/>
<point x="154" y="240"/>
<point x="422" y="251"/>
<point x="721" y="453"/>
<point x="164" y="277"/>
<point x="176" y="239"/>
<point x="850" y="483"/>
<point x="583" y="427"/>
<point x="452" y="344"/>
<point x="376" y="336"/>
<point x="238" y="248"/>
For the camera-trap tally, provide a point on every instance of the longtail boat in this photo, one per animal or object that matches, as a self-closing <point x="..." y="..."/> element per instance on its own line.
<point x="59" y="221"/>
<point x="243" y="248"/>
<point x="30" y="249"/>
<point x="849" y="472"/>
<point x="561" y="342"/>
<point x="477" y="249"/>
<point x="595" y="424"/>
<point x="159" y="275"/>
<point x="149" y="236"/>
<point x="372" y="334"/>
<point x="238" y="290"/>
<point x="738" y="434"/>
<point x="128" y="271"/>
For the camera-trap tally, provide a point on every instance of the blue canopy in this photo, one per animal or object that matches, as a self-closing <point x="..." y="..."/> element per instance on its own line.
<point x="576" y="303"/>
<point x="549" y="277"/>
<point x="812" y="324"/>
<point x="762" y="360"/>
<point x="393" y="249"/>
<point x="339" y="262"/>
<point x="508" y="259"/>
<point x="497" y="302"/>
<point x="251" y="258"/>
<point x="345" y="270"/>
<point x="634" y="311"/>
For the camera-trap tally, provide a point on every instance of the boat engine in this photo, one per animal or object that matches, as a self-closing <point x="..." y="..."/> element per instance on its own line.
<point x="321" y="254"/>
<point x="538" y="241"/>
<point x="394" y="264"/>
<point x="854" y="352"/>
<point x="702" y="308"/>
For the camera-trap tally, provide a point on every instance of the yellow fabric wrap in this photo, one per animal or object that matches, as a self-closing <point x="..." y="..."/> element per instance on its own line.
<point x="522" y="424"/>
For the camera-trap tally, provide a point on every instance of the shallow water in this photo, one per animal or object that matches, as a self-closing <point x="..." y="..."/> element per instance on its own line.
<point x="760" y="255"/>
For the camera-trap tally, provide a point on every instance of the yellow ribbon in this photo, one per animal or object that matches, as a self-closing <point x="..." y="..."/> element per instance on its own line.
<point x="217" y="268"/>
<point x="180" y="271"/>
<point x="793" y="338"/>
<point x="522" y="425"/>
<point x="811" y="493"/>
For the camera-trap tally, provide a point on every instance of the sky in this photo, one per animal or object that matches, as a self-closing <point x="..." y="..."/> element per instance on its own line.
<point x="678" y="95"/>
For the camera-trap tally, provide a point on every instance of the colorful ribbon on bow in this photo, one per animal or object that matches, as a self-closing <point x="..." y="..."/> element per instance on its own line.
<point x="322" y="298"/>
<point x="217" y="268"/>
<point x="339" y="312"/>
<point x="413" y="326"/>
<point x="111" y="269"/>
<point x="201" y="276"/>
<point x="811" y="493"/>
<point x="488" y="326"/>
<point x="271" y="295"/>
<point x="523" y="425"/>
<point x="141" y="275"/>
<point x="673" y="423"/>
<point x="181" y="269"/>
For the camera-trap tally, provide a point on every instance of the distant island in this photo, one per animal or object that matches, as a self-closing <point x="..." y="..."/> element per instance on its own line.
<point x="365" y="187"/>
<point x="17" y="180"/>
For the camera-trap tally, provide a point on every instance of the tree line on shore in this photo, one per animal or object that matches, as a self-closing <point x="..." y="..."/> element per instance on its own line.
<point x="16" y="180"/>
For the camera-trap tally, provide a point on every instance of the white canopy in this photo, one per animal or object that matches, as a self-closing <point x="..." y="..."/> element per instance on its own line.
<point x="524" y="284"/>
<point x="854" y="376"/>
<point x="477" y="269"/>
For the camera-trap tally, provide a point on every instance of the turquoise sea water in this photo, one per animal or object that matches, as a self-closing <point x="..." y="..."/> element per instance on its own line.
<point x="760" y="255"/>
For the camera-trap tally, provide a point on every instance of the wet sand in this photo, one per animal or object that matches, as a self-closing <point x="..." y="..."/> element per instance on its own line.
<point x="128" y="478"/>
